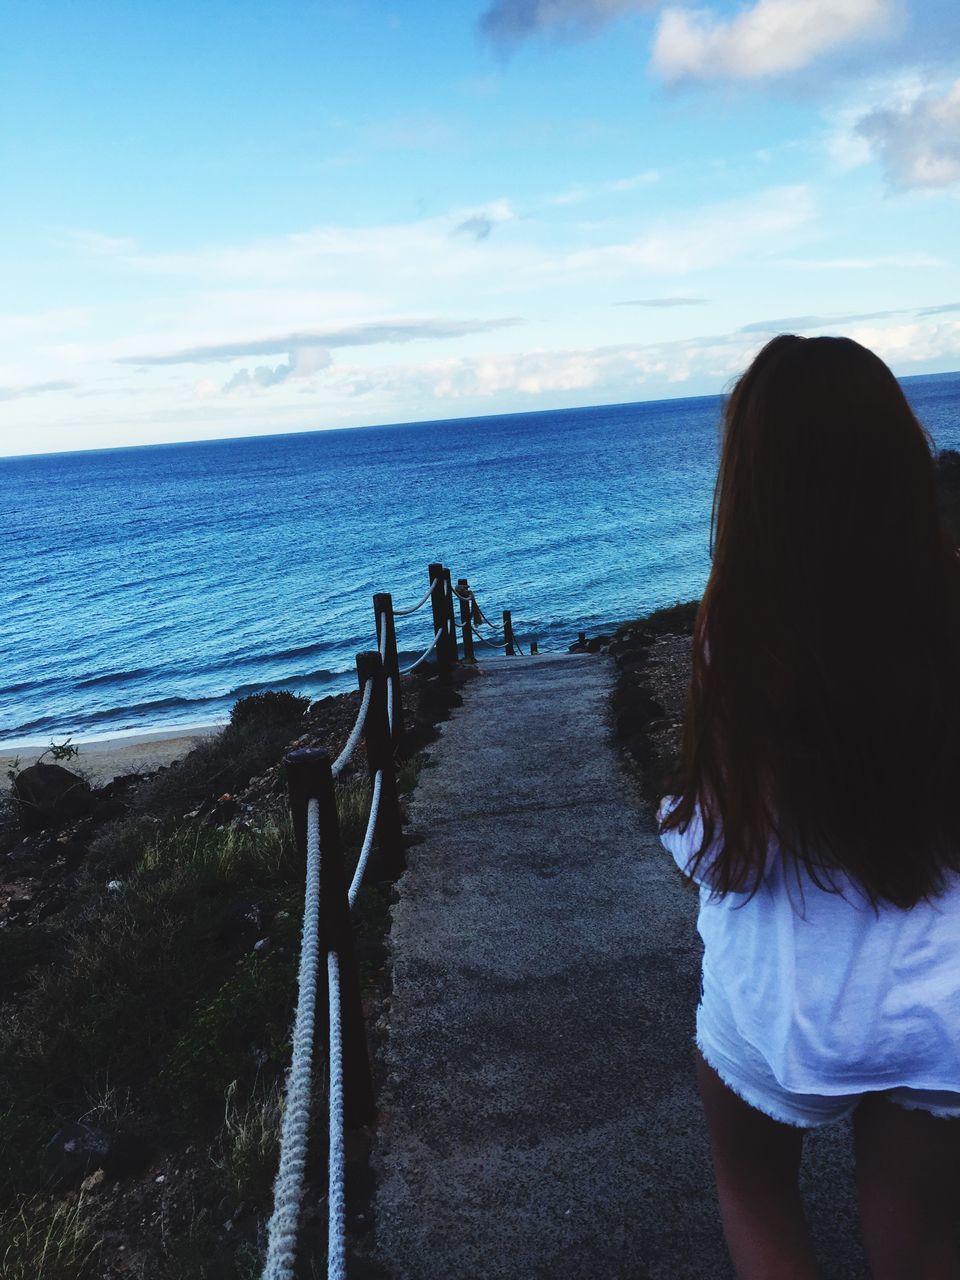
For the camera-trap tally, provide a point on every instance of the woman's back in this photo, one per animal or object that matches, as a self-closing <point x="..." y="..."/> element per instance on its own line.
<point x="837" y="994"/>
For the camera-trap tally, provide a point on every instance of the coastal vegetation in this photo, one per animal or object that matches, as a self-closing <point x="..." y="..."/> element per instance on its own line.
<point x="146" y="998"/>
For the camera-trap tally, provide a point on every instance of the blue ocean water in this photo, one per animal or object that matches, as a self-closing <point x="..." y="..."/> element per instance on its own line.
<point x="151" y="587"/>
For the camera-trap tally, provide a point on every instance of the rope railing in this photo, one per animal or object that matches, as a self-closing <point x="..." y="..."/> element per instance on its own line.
<point x="328" y="904"/>
<point x="425" y="655"/>
<point x="355" y="732"/>
<point x="282" y="1228"/>
<point x="403" y="613"/>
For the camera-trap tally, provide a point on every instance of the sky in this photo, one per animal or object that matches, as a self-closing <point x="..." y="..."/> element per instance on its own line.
<point x="221" y="220"/>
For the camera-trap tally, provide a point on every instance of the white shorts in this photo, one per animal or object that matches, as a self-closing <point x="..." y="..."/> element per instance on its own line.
<point x="743" y="1069"/>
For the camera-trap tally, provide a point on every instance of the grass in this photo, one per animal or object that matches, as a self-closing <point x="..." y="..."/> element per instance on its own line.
<point x="52" y="1240"/>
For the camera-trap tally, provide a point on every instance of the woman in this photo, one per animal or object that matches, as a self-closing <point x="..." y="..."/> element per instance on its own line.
<point x="818" y="807"/>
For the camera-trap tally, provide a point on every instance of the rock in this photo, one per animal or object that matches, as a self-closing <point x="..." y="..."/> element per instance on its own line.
<point x="74" y="1152"/>
<point x="635" y="712"/>
<point x="48" y="795"/>
<point x="629" y="657"/>
<point x="597" y="643"/>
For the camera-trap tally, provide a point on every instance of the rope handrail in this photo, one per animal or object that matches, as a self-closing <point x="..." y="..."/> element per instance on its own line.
<point x="355" y="732"/>
<point x="288" y="1189"/>
<point x="336" y="1166"/>
<point x="425" y="655"/>
<point x="367" y="839"/>
<point x="403" y="613"/>
<point x="313" y="800"/>
<point x="484" y="640"/>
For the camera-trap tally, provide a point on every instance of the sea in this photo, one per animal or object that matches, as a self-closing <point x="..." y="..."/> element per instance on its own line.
<point x="151" y="587"/>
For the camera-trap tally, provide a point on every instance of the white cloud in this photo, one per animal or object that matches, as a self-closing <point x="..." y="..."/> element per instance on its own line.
<point x="710" y="236"/>
<point x="35" y="389"/>
<point x="773" y="37"/>
<point x="303" y="362"/>
<point x="918" y="141"/>
<point x="911" y="343"/>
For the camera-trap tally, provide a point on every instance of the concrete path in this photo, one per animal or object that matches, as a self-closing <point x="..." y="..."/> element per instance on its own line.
<point x="540" y="1118"/>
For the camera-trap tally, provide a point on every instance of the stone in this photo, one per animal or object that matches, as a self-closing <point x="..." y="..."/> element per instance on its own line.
<point x="636" y="711"/>
<point x="75" y="1151"/>
<point x="47" y="795"/>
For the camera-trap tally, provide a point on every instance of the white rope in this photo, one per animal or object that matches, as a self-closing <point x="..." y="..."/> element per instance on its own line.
<point x="499" y="644"/>
<point x="425" y="655"/>
<point x="356" y="731"/>
<point x="336" y="1199"/>
<point x="402" y="613"/>
<point x="367" y="839"/>
<point x="288" y="1189"/>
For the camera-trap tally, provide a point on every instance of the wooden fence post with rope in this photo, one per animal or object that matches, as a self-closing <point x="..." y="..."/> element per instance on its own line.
<point x="380" y="759"/>
<point x="463" y="591"/>
<point x="451" y="618"/>
<point x="438" y="605"/>
<point x="508" y="645"/>
<point x="387" y="643"/>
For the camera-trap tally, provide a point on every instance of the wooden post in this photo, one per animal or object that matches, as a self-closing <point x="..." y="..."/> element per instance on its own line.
<point x="509" y="650"/>
<point x="450" y="617"/>
<point x="463" y="590"/>
<point x="438" y="604"/>
<point x="475" y="611"/>
<point x="533" y="648"/>
<point x="309" y="778"/>
<point x="386" y="631"/>
<point x="380" y="759"/>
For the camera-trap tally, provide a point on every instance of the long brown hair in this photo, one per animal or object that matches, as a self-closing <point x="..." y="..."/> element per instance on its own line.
<point x="824" y="704"/>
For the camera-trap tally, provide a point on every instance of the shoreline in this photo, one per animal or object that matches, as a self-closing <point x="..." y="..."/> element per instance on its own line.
<point x="103" y="759"/>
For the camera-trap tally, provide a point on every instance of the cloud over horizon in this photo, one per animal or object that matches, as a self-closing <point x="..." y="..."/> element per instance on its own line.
<point x="36" y="389"/>
<point x="360" y="335"/>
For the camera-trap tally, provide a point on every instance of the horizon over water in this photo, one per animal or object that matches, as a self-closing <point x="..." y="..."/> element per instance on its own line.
<point x="148" y="587"/>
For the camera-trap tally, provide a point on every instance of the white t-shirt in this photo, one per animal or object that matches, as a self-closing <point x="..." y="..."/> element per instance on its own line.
<point x="837" y="997"/>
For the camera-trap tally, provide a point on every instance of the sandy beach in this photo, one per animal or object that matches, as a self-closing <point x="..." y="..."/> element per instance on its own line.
<point x="102" y="759"/>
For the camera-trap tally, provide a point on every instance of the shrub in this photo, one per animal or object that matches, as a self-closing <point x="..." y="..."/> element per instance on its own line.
<point x="260" y="728"/>
<point x="273" y="706"/>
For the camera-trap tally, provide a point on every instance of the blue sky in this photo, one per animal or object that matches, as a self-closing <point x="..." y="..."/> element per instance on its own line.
<point x="224" y="220"/>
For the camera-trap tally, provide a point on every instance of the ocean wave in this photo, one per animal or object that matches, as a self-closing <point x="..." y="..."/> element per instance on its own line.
<point x="142" y="712"/>
<point x="115" y="677"/>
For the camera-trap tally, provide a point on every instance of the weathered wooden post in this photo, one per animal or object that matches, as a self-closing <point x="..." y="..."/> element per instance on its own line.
<point x="387" y="640"/>
<point x="380" y="759"/>
<point x="438" y="605"/>
<point x="509" y="650"/>
<point x="309" y="778"/>
<point x="451" y="617"/>
<point x="475" y="614"/>
<point x="463" y="591"/>
<point x="533" y="648"/>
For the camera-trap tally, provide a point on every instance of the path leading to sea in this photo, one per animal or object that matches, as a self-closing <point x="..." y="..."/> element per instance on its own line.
<point x="540" y="1117"/>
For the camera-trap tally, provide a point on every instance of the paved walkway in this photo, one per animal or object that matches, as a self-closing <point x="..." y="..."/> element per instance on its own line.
<point x="540" y="1119"/>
